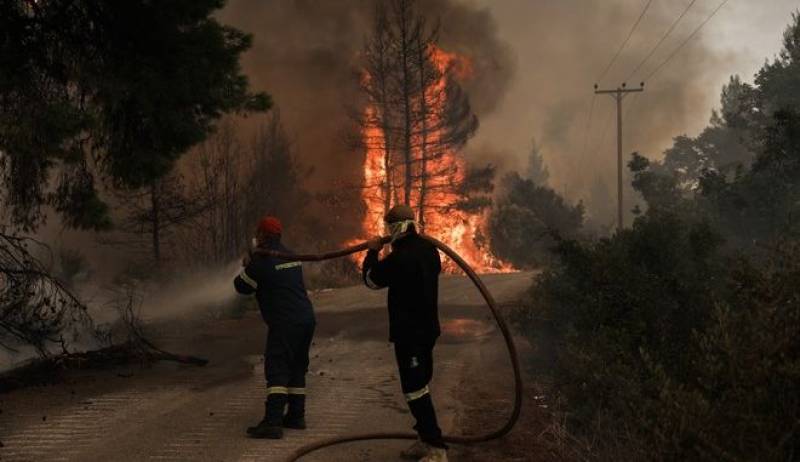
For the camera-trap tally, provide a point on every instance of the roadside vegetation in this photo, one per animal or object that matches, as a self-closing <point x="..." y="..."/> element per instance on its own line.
<point x="676" y="339"/>
<point x="528" y="216"/>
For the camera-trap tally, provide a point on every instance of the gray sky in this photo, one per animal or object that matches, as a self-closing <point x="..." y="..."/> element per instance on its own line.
<point x="562" y="46"/>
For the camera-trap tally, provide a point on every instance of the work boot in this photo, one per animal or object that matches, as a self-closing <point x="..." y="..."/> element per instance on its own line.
<point x="296" y="415"/>
<point x="435" y="455"/>
<point x="416" y="451"/>
<point x="263" y="422"/>
<point x="265" y="430"/>
<point x="270" y="426"/>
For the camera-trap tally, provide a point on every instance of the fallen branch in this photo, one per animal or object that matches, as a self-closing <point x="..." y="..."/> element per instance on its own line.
<point x="158" y="354"/>
<point x="37" y="309"/>
<point x="50" y="370"/>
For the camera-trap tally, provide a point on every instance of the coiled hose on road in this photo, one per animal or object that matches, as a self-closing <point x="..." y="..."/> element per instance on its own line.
<point x="512" y="351"/>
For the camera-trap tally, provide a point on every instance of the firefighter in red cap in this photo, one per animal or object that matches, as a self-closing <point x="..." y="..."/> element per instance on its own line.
<point x="411" y="272"/>
<point x="286" y="309"/>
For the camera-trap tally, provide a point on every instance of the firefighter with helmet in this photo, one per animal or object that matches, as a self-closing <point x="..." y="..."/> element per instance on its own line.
<point x="411" y="272"/>
<point x="289" y="315"/>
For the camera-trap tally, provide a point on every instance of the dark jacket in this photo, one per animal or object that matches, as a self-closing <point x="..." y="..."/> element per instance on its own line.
<point x="411" y="272"/>
<point x="279" y="288"/>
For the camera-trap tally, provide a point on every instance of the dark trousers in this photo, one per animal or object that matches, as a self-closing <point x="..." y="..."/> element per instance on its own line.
<point x="415" y="364"/>
<point x="285" y="367"/>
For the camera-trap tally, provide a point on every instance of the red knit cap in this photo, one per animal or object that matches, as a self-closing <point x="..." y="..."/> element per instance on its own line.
<point x="270" y="226"/>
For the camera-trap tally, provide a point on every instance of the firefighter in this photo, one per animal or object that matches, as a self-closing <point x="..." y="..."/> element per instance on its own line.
<point x="289" y="315"/>
<point x="411" y="272"/>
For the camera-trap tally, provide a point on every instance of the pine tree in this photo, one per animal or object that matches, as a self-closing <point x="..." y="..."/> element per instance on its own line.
<point x="416" y="112"/>
<point x="84" y="90"/>
<point x="536" y="170"/>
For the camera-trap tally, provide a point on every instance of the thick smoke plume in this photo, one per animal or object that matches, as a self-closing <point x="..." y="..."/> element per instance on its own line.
<point x="562" y="48"/>
<point x="307" y="55"/>
<point x="535" y="63"/>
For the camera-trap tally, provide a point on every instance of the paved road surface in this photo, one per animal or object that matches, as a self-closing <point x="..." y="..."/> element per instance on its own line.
<point x="170" y="412"/>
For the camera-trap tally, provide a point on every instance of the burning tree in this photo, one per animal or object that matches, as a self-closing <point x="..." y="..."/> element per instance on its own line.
<point x="416" y="111"/>
<point x="416" y="119"/>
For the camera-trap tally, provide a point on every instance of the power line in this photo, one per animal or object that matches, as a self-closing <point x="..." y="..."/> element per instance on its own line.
<point x="688" y="39"/>
<point x="667" y="34"/>
<point x="633" y="107"/>
<point x="605" y="72"/>
<point x="625" y="42"/>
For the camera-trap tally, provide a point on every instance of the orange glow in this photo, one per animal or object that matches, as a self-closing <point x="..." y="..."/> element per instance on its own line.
<point x="465" y="232"/>
<point x="465" y="329"/>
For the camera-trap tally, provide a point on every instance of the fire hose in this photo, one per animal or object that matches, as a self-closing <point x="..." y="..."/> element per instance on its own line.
<point x="487" y="296"/>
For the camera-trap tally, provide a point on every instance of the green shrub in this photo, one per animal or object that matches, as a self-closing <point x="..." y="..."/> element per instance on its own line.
<point x="666" y="344"/>
<point x="526" y="218"/>
<point x="664" y="348"/>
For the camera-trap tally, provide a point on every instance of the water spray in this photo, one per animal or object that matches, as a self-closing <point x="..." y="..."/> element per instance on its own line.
<point x="490" y="302"/>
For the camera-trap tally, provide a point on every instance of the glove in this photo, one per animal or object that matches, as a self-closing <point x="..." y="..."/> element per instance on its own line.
<point x="376" y="243"/>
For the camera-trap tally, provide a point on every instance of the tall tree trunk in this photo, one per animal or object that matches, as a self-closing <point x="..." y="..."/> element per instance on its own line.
<point x="387" y="181"/>
<point x="211" y="195"/>
<point x="423" y="150"/>
<point x="387" y="151"/>
<point x="231" y="237"/>
<point x="156" y="223"/>
<point x="407" y="96"/>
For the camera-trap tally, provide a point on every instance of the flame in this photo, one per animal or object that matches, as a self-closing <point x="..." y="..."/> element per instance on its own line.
<point x="464" y="232"/>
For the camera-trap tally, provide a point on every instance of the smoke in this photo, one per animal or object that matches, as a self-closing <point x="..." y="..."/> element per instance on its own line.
<point x="534" y="64"/>
<point x="562" y="48"/>
<point x="306" y="55"/>
<point x="193" y="294"/>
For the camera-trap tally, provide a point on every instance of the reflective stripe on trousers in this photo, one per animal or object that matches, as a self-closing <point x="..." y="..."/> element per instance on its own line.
<point x="414" y="395"/>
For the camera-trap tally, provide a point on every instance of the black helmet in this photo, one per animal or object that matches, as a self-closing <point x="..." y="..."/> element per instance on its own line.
<point x="399" y="213"/>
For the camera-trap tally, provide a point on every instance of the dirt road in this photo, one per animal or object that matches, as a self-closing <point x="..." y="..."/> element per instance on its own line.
<point x="169" y="412"/>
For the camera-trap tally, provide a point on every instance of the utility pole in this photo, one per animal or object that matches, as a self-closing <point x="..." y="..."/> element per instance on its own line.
<point x="619" y="94"/>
